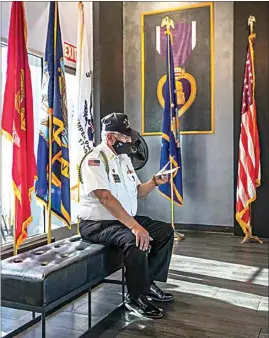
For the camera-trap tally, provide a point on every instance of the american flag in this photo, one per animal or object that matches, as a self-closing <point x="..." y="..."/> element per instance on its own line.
<point x="249" y="169"/>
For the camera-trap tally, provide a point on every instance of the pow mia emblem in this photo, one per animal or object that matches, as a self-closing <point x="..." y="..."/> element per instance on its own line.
<point x="126" y="122"/>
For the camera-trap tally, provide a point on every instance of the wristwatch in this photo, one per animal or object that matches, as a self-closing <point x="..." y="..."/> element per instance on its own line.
<point x="153" y="180"/>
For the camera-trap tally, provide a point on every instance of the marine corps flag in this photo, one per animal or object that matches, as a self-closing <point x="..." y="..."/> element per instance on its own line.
<point x="53" y="184"/>
<point x="170" y="150"/>
<point x="17" y="120"/>
<point x="82" y="121"/>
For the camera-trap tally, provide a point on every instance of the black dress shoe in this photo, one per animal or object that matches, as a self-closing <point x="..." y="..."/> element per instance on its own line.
<point x="143" y="307"/>
<point x="157" y="294"/>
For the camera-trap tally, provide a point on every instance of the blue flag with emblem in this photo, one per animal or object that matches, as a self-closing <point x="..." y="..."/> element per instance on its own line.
<point x="170" y="150"/>
<point x="54" y="126"/>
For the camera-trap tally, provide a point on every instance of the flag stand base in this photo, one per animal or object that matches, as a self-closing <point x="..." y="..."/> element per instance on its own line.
<point x="178" y="236"/>
<point x="251" y="239"/>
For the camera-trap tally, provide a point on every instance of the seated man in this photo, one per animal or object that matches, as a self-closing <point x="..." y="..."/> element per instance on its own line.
<point x="108" y="206"/>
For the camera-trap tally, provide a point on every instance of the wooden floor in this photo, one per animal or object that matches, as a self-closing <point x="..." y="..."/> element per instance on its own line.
<point x="220" y="288"/>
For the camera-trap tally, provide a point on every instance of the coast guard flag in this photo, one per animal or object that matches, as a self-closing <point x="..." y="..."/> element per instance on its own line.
<point x="82" y="121"/>
<point x="170" y="130"/>
<point x="17" y="120"/>
<point x="54" y="105"/>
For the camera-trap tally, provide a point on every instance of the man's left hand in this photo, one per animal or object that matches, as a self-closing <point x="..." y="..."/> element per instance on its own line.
<point x="161" y="179"/>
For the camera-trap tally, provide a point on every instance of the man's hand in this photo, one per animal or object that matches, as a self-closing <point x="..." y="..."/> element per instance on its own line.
<point x="115" y="208"/>
<point x="161" y="179"/>
<point x="142" y="237"/>
<point x="145" y="188"/>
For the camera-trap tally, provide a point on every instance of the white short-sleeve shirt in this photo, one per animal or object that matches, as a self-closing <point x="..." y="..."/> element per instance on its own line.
<point x="121" y="180"/>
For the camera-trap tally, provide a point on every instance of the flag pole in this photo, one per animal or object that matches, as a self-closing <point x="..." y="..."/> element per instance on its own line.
<point x="50" y="177"/>
<point x="15" y="251"/>
<point x="168" y="22"/>
<point x="50" y="141"/>
<point x="248" y="236"/>
<point x="78" y="232"/>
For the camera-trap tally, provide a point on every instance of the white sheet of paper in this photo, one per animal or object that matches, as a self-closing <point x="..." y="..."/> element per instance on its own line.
<point x="167" y="172"/>
<point x="163" y="168"/>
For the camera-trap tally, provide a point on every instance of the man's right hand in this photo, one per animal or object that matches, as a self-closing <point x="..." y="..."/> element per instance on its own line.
<point x="115" y="208"/>
<point x="142" y="237"/>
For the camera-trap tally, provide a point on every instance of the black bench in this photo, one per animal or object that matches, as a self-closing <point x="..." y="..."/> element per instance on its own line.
<point x="45" y="279"/>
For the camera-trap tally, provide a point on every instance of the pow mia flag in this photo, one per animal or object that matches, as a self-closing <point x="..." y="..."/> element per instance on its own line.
<point x="82" y="122"/>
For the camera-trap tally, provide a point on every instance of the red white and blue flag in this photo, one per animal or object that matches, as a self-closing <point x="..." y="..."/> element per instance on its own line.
<point x="249" y="168"/>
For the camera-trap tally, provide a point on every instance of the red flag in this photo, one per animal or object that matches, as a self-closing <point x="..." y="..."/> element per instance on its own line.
<point x="249" y="168"/>
<point x="17" y="119"/>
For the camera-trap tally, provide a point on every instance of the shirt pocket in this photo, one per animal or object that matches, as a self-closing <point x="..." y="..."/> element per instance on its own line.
<point x="132" y="192"/>
<point x="114" y="187"/>
<point x="131" y="183"/>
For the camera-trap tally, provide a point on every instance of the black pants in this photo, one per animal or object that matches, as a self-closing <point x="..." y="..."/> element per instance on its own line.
<point x="142" y="268"/>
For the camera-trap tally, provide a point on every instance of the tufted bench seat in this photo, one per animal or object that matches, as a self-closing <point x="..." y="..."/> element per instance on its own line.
<point x="43" y="279"/>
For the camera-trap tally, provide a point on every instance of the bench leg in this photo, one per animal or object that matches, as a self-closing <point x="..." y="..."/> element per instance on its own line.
<point x="43" y="316"/>
<point x="122" y="285"/>
<point x="33" y="315"/>
<point x="90" y="308"/>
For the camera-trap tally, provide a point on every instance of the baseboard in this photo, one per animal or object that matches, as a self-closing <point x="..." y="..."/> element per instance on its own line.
<point x="203" y="227"/>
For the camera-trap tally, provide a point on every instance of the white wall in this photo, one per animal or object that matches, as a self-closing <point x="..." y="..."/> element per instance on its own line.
<point x="37" y="14"/>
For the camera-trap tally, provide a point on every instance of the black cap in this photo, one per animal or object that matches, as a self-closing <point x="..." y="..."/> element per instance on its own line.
<point x="118" y="122"/>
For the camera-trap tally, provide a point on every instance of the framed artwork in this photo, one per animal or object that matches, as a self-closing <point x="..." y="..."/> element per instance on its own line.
<point x="193" y="51"/>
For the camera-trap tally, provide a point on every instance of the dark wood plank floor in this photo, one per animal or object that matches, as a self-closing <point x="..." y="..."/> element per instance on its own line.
<point x="220" y="288"/>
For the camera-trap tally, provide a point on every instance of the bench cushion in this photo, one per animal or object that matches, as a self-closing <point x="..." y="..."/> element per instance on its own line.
<point x="41" y="276"/>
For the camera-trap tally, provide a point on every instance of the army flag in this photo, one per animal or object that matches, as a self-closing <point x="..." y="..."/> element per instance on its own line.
<point x="17" y="120"/>
<point x="53" y="160"/>
<point x="82" y="121"/>
<point x="170" y="150"/>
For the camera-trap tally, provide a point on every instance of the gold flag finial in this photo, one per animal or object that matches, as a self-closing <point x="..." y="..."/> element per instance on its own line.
<point x="251" y="21"/>
<point x="166" y="22"/>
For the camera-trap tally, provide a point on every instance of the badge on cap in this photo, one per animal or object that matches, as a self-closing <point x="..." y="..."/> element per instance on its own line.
<point x="94" y="163"/>
<point x="126" y="122"/>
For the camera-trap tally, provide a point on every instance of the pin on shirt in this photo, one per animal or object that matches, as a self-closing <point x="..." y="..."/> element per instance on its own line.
<point x="129" y="171"/>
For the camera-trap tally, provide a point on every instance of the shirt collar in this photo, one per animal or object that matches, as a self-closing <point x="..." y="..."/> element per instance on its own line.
<point x="109" y="153"/>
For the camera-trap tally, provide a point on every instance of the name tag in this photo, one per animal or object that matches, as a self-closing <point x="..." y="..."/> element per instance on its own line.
<point x="116" y="178"/>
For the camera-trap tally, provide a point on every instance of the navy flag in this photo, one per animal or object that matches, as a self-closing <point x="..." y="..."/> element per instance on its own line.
<point x="170" y="130"/>
<point x="54" y="104"/>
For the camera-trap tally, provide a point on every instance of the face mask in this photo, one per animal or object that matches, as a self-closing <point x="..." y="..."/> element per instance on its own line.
<point x="122" y="148"/>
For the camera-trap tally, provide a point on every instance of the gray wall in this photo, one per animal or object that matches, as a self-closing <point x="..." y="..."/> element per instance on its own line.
<point x="207" y="159"/>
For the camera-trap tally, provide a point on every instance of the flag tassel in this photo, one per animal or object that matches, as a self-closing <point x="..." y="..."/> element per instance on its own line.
<point x="248" y="236"/>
